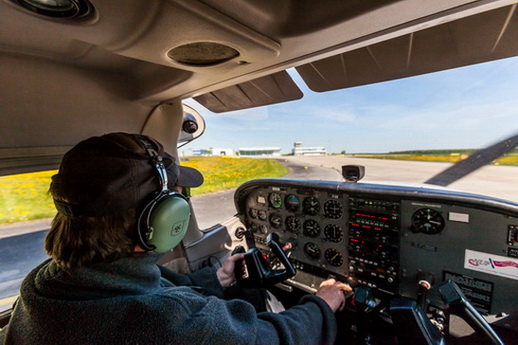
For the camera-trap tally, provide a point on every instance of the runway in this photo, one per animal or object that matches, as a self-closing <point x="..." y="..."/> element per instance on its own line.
<point x="492" y="180"/>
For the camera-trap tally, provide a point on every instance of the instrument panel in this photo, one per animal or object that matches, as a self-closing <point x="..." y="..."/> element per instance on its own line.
<point x="382" y="237"/>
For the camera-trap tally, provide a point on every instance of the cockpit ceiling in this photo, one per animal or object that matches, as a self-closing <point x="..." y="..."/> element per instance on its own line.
<point x="484" y="37"/>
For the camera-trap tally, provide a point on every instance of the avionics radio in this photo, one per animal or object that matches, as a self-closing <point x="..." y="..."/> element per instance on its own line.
<point x="374" y="243"/>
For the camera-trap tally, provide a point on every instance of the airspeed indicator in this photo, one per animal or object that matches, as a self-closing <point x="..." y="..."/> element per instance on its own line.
<point x="275" y="200"/>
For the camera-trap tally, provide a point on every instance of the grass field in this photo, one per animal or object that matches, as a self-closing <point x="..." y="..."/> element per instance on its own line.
<point x="24" y="197"/>
<point x="228" y="172"/>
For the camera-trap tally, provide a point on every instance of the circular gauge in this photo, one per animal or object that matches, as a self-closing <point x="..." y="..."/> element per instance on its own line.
<point x="275" y="220"/>
<point x="333" y="209"/>
<point x="427" y="221"/>
<point x="253" y="226"/>
<point x="275" y="200"/>
<point x="311" y="206"/>
<point x="252" y="213"/>
<point x="333" y="257"/>
<point x="333" y="233"/>
<point x="311" y="228"/>
<point x="263" y="229"/>
<point x="292" y="203"/>
<point x="312" y="251"/>
<point x="292" y="224"/>
<point x="261" y="214"/>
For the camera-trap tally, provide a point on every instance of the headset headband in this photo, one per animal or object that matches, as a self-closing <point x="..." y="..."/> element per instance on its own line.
<point x="156" y="160"/>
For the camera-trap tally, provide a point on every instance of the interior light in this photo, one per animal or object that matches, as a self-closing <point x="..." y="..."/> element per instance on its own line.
<point x="57" y="8"/>
<point x="52" y="5"/>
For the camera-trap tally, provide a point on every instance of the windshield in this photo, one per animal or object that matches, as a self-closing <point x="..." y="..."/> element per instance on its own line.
<point x="405" y="130"/>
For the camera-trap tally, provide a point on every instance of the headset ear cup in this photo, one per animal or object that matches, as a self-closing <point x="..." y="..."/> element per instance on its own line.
<point x="169" y="220"/>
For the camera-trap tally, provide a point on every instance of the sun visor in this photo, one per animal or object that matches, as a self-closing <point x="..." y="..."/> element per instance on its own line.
<point x="271" y="89"/>
<point x="484" y="37"/>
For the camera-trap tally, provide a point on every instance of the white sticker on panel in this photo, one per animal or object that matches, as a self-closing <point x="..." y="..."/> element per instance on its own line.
<point x="458" y="217"/>
<point x="491" y="264"/>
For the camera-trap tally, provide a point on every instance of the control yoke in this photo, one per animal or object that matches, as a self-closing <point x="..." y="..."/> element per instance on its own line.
<point x="413" y="326"/>
<point x="256" y="272"/>
<point x="460" y="306"/>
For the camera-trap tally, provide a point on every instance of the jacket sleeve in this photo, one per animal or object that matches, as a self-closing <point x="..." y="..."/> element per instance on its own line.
<point x="205" y="278"/>
<point x="236" y="322"/>
<point x="310" y="322"/>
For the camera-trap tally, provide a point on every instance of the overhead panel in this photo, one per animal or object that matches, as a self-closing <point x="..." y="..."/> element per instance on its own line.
<point x="484" y="37"/>
<point x="274" y="88"/>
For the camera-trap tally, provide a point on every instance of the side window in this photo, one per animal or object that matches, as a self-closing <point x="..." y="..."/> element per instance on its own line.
<point x="26" y="211"/>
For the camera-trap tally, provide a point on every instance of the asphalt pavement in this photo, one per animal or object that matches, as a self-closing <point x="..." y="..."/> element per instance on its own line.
<point x="18" y="255"/>
<point x="498" y="181"/>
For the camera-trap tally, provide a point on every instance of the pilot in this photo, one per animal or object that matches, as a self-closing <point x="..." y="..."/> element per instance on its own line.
<point x="102" y="284"/>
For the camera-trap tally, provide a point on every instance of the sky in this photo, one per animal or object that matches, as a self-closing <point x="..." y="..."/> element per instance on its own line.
<point x="469" y="107"/>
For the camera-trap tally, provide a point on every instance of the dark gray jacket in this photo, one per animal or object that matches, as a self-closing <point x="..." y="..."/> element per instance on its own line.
<point x="128" y="302"/>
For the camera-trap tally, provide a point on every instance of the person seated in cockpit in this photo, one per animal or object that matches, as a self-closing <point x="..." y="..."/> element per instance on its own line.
<point x="102" y="283"/>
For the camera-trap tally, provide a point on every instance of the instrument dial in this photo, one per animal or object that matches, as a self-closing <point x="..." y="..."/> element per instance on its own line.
<point x="275" y="200"/>
<point x="333" y="257"/>
<point x="292" y="224"/>
<point x="276" y="220"/>
<point x="427" y="221"/>
<point x="311" y="228"/>
<point x="292" y="203"/>
<point x="333" y="209"/>
<point x="312" y="251"/>
<point x="263" y="229"/>
<point x="261" y="214"/>
<point x="252" y="213"/>
<point x="253" y="226"/>
<point x="311" y="206"/>
<point x="334" y="233"/>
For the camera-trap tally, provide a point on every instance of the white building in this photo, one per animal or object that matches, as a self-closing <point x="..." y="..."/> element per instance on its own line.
<point x="189" y="152"/>
<point x="260" y="151"/>
<point x="222" y="152"/>
<point x="299" y="150"/>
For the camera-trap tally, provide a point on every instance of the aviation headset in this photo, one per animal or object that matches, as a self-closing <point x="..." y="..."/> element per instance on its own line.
<point x="163" y="222"/>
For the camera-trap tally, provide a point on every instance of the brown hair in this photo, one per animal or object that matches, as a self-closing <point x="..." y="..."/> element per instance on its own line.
<point x="78" y="241"/>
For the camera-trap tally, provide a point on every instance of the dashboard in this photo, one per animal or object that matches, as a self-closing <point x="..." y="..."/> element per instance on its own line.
<point x="384" y="237"/>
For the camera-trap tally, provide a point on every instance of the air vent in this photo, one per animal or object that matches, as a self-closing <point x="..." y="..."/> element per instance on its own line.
<point x="68" y="9"/>
<point x="202" y="54"/>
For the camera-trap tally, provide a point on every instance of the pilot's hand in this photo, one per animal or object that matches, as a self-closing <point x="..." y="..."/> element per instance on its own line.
<point x="332" y="292"/>
<point x="226" y="274"/>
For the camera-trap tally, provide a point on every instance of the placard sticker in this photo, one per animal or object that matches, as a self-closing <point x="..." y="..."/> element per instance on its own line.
<point x="479" y="292"/>
<point x="458" y="217"/>
<point x="491" y="264"/>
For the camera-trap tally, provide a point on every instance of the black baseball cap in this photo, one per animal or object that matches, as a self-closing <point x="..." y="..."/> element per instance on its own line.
<point x="113" y="173"/>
